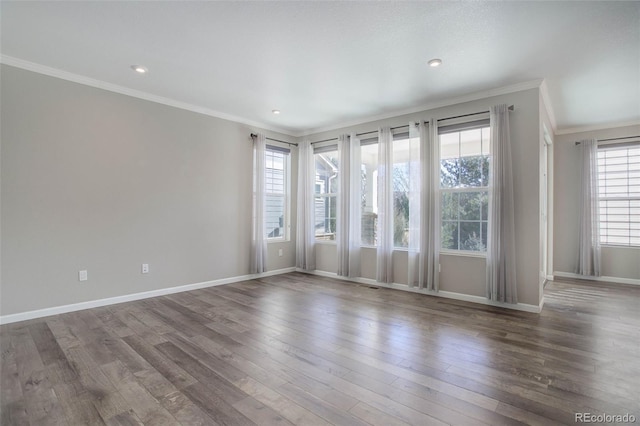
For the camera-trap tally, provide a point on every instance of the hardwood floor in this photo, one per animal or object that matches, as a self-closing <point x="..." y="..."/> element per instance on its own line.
<point x="304" y="350"/>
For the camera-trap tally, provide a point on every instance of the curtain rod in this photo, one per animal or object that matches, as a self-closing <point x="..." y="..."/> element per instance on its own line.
<point x="253" y="135"/>
<point x="615" y="139"/>
<point x="511" y="108"/>
<point x="363" y="133"/>
<point x="392" y="128"/>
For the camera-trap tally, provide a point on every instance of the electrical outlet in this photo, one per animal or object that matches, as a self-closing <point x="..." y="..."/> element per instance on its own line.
<point x="83" y="275"/>
<point x="280" y="252"/>
<point x="145" y="268"/>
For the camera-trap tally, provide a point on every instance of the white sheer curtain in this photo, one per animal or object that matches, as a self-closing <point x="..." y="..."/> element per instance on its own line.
<point x="501" y="256"/>
<point x="429" y="272"/>
<point x="384" y="272"/>
<point x="349" y="206"/>
<point x="414" y="252"/>
<point x="589" y="243"/>
<point x="258" y="239"/>
<point x="305" y="234"/>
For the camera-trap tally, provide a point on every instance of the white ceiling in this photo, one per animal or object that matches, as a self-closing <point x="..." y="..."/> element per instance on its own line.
<point x="329" y="63"/>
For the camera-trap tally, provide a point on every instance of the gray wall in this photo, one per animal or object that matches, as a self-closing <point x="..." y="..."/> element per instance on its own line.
<point x="105" y="182"/>
<point x="101" y="181"/>
<point x="617" y="262"/>
<point x="461" y="274"/>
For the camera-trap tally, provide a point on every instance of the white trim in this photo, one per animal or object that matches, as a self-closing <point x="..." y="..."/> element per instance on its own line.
<point x="446" y="294"/>
<point x="464" y="253"/>
<point x="527" y="85"/>
<point x="617" y="280"/>
<point x="594" y="127"/>
<point x="87" y="81"/>
<point x="548" y="140"/>
<point x="550" y="278"/>
<point x="39" y="313"/>
<point x="327" y="242"/>
<point x="546" y="100"/>
<point x="278" y="240"/>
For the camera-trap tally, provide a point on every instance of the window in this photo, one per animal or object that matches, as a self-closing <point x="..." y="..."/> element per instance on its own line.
<point x="464" y="179"/>
<point x="326" y="190"/>
<point x="619" y="194"/>
<point x="369" y="191"/>
<point x="401" y="179"/>
<point x="401" y="159"/>
<point x="277" y="193"/>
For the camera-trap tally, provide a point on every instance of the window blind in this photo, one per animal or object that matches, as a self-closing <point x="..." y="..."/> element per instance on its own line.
<point x="326" y="148"/>
<point x="278" y="149"/>
<point x="619" y="194"/>
<point x="453" y="128"/>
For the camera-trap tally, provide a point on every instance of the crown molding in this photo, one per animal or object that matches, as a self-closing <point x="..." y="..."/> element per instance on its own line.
<point x="519" y="87"/>
<point x="546" y="100"/>
<point x="594" y="127"/>
<point x="87" y="81"/>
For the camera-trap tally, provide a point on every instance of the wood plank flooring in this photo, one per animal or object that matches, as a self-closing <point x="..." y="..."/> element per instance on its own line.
<point x="297" y="349"/>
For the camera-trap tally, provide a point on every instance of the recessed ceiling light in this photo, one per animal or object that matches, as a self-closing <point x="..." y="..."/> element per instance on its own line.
<point x="435" y="63"/>
<point x="275" y="111"/>
<point x="139" y="69"/>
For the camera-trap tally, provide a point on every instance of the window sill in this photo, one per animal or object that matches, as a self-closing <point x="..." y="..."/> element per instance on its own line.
<point x="329" y="243"/>
<point x="278" y="240"/>
<point x="444" y="252"/>
<point x="376" y="247"/>
<point x="405" y="249"/>
<point x="463" y="253"/>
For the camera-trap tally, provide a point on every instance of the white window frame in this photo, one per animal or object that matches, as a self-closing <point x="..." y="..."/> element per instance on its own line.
<point x="397" y="138"/>
<point x="459" y="252"/>
<point x="374" y="190"/>
<point x="286" y="223"/>
<point x="631" y="189"/>
<point x="402" y="135"/>
<point x="441" y="191"/>
<point x="323" y="149"/>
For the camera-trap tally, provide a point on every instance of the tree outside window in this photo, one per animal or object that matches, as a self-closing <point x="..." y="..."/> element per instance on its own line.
<point x="464" y="179"/>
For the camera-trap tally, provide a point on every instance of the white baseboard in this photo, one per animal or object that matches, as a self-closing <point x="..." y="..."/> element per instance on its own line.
<point x="446" y="294"/>
<point x="39" y="313"/>
<point x="617" y="280"/>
